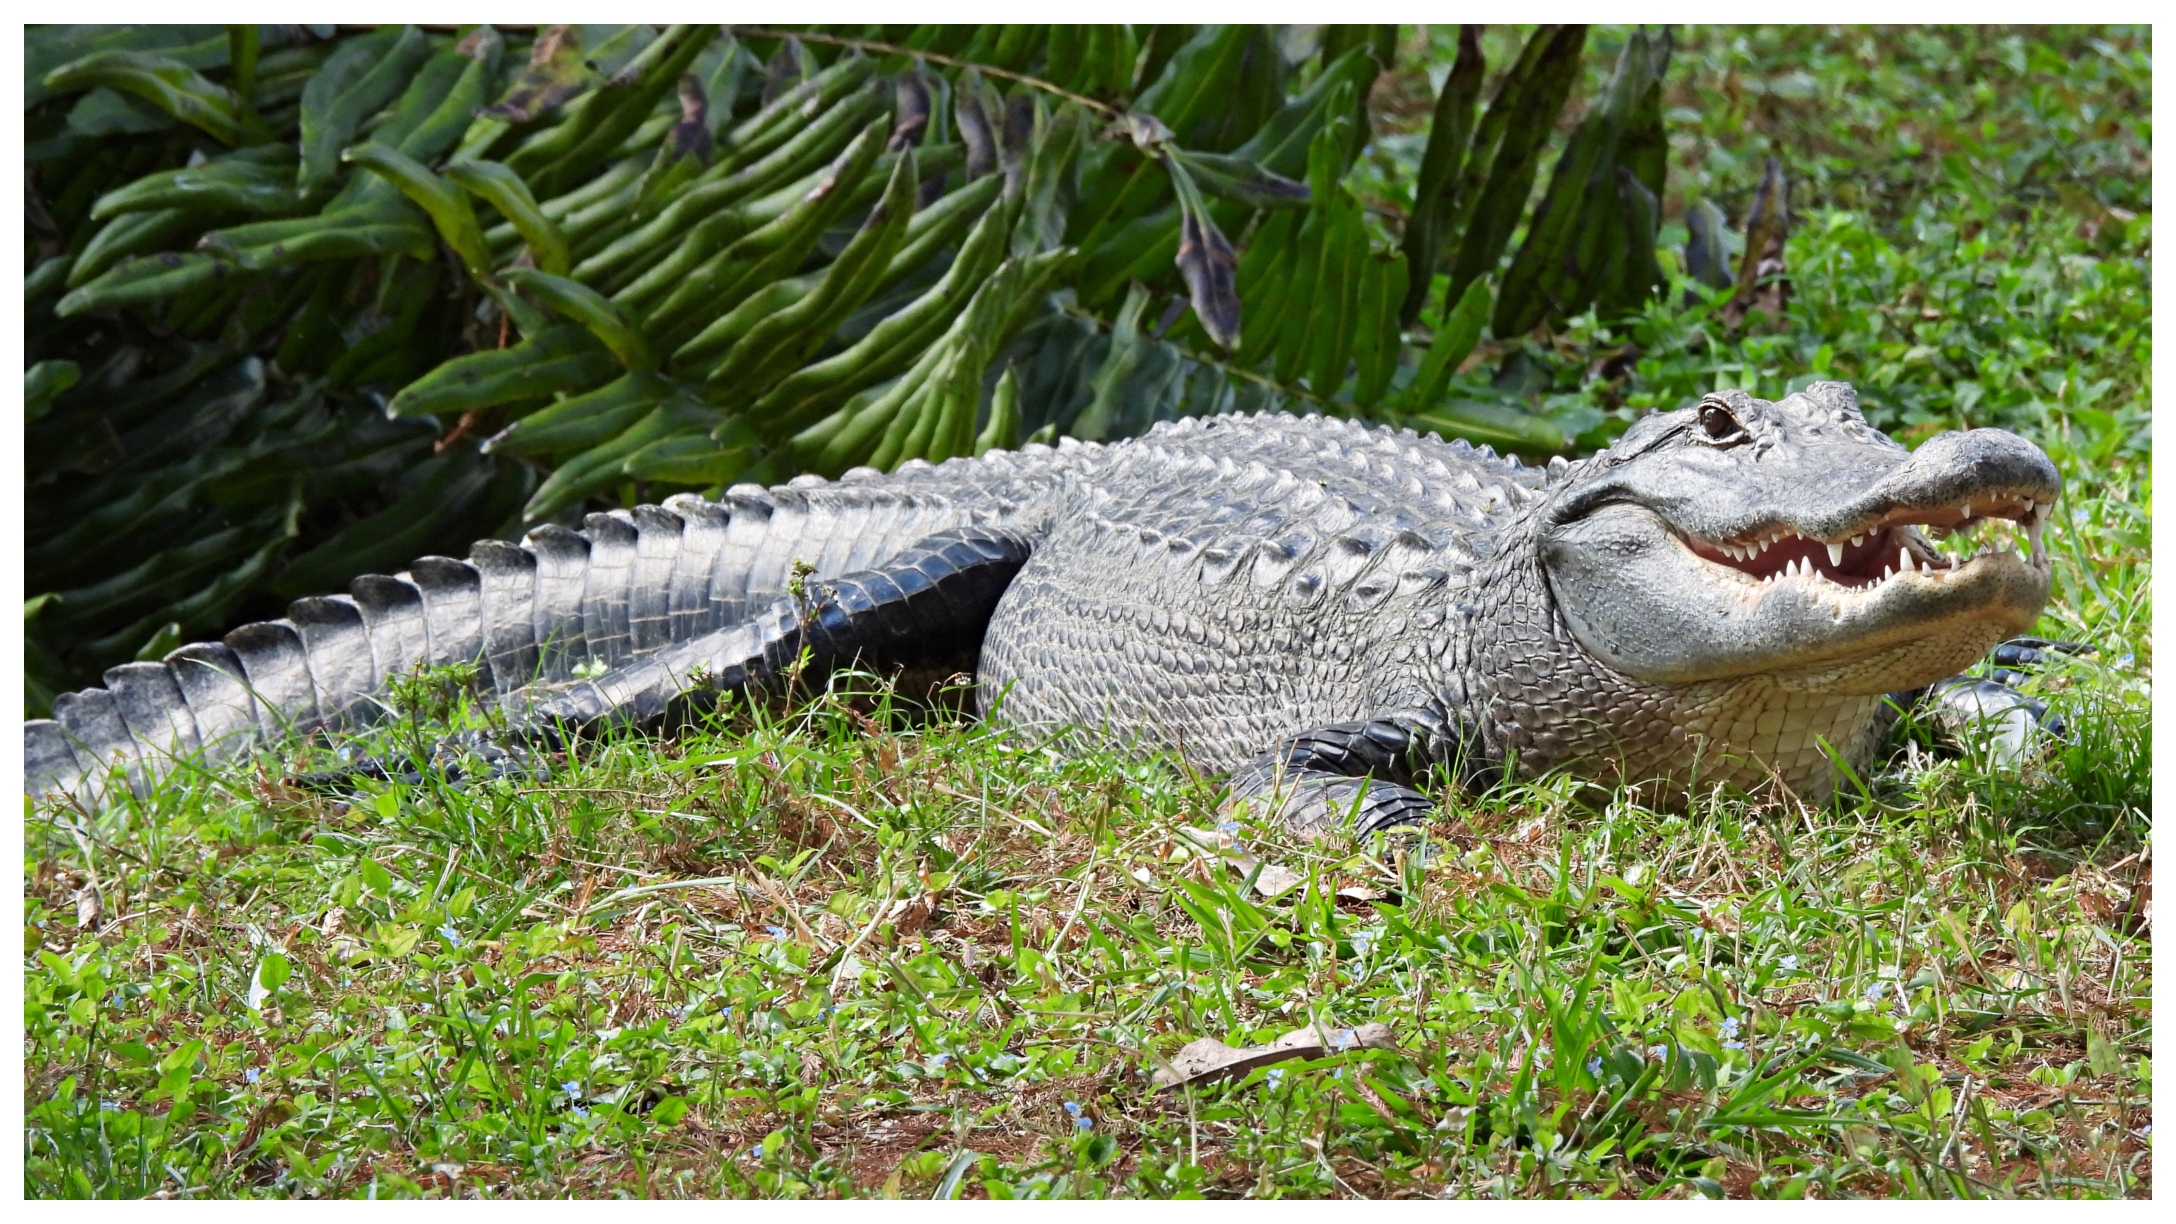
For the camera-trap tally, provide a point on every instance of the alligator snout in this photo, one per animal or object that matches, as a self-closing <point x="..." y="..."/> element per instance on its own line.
<point x="1834" y="493"/>
<point x="1953" y="469"/>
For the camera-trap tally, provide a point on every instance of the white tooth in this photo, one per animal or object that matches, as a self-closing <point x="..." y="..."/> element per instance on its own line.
<point x="2028" y="505"/>
<point x="1857" y="540"/>
<point x="1968" y="509"/>
<point x="1836" y="555"/>
<point x="1904" y="560"/>
<point x="1887" y="573"/>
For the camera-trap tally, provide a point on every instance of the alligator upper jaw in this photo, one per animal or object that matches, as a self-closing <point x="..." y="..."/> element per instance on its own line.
<point x="1879" y="548"/>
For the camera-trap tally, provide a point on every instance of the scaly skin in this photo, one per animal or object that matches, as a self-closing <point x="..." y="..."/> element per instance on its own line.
<point x="1300" y="602"/>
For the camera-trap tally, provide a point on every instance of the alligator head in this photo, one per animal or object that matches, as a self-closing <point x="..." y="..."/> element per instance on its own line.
<point x="1791" y="539"/>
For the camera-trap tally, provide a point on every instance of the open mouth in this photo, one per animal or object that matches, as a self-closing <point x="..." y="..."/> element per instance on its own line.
<point x="1885" y="547"/>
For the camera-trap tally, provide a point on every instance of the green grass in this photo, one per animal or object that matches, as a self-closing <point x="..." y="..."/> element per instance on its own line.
<point x="835" y="954"/>
<point x="831" y="950"/>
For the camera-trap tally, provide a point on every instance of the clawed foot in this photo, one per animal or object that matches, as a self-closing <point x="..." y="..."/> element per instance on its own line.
<point x="1989" y="710"/>
<point x="1315" y="807"/>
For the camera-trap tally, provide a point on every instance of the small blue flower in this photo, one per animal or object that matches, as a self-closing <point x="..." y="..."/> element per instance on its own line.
<point x="450" y="935"/>
<point x="1733" y="1045"/>
<point x="1275" y="1076"/>
<point x="1789" y="963"/>
<point x="938" y="1060"/>
<point x="1229" y="826"/>
<point x="1660" y="1051"/>
<point x="1073" y="1107"/>
<point x="1083" y="1123"/>
<point x="581" y="1111"/>
<point x="573" y="1088"/>
<point x="1874" y="991"/>
<point x="1594" y="1067"/>
<point x="777" y="933"/>
<point x="250" y="1075"/>
<point x="1730" y="1027"/>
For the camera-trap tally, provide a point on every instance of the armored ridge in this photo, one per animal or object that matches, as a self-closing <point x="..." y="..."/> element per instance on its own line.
<point x="1325" y="609"/>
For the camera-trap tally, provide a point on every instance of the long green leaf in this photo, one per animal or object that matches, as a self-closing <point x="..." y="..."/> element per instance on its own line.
<point x="577" y="302"/>
<point x="449" y="209"/>
<point x="504" y="190"/>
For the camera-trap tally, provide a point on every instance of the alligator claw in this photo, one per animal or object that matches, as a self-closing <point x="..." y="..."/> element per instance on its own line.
<point x="2033" y="651"/>
<point x="1988" y="710"/>
<point x="1975" y="711"/>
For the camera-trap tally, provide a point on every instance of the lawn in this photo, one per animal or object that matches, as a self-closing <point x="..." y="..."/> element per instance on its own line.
<point x="838" y="947"/>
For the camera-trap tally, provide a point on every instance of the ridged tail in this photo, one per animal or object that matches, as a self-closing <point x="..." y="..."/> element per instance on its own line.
<point x="628" y="584"/>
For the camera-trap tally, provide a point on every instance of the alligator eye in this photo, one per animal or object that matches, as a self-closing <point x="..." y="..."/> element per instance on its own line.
<point x="1719" y="425"/>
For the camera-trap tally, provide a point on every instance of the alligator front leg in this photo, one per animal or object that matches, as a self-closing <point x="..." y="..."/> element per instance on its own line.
<point x="1989" y="711"/>
<point x="1355" y="774"/>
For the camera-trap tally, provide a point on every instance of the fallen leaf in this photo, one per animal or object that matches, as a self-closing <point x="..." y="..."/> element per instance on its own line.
<point x="1274" y="881"/>
<point x="1207" y="1060"/>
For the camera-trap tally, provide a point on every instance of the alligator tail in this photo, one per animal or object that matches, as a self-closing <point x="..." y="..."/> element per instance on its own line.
<point x="530" y="615"/>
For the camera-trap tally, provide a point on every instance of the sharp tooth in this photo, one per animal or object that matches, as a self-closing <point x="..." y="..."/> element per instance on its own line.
<point x="2028" y="506"/>
<point x="1887" y="573"/>
<point x="1857" y="540"/>
<point x="1904" y="560"/>
<point x="1836" y="555"/>
<point x="1968" y="509"/>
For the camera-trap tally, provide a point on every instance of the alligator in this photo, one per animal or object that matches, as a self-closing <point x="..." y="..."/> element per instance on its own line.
<point x="1331" y="613"/>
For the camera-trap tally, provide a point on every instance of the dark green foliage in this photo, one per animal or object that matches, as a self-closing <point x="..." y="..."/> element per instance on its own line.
<point x="1574" y="251"/>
